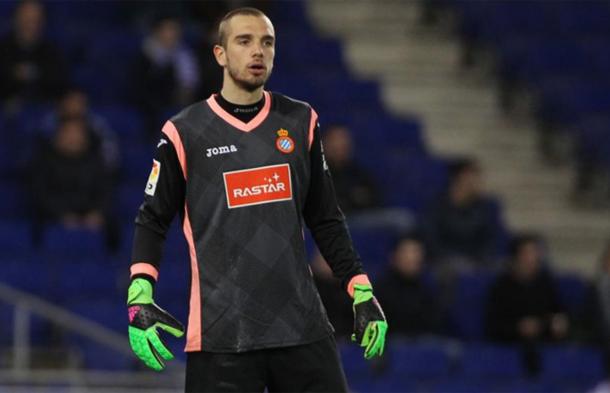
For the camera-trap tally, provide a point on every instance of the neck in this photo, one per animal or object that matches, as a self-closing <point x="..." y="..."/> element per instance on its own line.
<point x="237" y="95"/>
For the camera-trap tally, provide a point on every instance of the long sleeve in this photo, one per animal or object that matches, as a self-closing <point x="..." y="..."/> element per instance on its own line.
<point x="325" y="219"/>
<point x="163" y="198"/>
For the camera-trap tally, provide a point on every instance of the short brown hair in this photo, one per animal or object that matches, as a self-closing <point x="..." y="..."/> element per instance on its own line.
<point x="251" y="11"/>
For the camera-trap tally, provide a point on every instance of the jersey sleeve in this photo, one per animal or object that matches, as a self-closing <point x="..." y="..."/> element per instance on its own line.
<point x="163" y="198"/>
<point x="326" y="221"/>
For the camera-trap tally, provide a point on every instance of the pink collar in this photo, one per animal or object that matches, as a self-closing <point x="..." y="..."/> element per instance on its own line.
<point x="235" y="122"/>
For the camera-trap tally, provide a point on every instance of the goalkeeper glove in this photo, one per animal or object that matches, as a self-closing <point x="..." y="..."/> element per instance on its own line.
<point x="144" y="319"/>
<point x="370" y="325"/>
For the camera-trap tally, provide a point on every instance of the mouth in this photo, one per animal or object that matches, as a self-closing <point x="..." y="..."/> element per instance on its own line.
<point x="257" y="68"/>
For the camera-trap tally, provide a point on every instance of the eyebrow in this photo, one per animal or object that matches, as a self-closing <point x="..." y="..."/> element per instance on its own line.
<point x="250" y="36"/>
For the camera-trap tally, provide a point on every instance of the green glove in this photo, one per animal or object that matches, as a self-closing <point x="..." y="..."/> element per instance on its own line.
<point x="370" y="325"/>
<point x="144" y="319"/>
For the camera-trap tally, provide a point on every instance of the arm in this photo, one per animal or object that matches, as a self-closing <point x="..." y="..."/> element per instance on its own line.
<point x="329" y="229"/>
<point x="327" y="223"/>
<point x="164" y="196"/>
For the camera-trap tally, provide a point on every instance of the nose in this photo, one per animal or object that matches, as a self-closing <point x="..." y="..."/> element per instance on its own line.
<point x="258" y="50"/>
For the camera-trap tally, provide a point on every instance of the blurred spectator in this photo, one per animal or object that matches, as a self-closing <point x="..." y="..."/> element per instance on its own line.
<point x="407" y="299"/>
<point x="355" y="188"/>
<point x="166" y="72"/>
<point x="462" y="224"/>
<point x="31" y="67"/>
<point x="523" y="304"/>
<point x="69" y="184"/>
<point x="75" y="103"/>
<point x="595" y="318"/>
<point x="211" y="73"/>
<point x="336" y="301"/>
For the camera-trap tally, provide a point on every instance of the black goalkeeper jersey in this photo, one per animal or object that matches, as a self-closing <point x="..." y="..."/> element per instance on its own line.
<point x="245" y="192"/>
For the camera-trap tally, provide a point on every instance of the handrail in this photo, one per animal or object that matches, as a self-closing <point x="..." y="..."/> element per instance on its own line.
<point x="25" y="303"/>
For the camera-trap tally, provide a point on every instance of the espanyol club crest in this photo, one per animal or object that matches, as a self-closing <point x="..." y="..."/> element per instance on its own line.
<point x="284" y="143"/>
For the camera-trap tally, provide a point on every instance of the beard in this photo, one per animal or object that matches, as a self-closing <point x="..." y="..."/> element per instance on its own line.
<point x="249" y="85"/>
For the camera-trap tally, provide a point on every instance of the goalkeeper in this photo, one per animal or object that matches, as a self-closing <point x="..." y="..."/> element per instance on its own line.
<point x="246" y="172"/>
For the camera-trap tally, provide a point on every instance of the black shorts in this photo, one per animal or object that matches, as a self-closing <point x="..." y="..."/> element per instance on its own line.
<point x="314" y="367"/>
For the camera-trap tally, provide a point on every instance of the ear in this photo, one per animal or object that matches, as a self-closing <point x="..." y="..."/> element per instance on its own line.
<point x="220" y="55"/>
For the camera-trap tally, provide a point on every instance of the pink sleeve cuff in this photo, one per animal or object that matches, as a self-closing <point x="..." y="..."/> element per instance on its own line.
<point x="359" y="279"/>
<point x="144" y="268"/>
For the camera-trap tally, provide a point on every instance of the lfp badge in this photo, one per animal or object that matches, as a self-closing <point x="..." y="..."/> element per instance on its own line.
<point x="284" y="143"/>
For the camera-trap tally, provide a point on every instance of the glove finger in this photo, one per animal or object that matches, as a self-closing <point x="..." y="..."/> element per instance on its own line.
<point x="368" y="334"/>
<point x="168" y="323"/>
<point x="157" y="344"/>
<point x="139" y="345"/>
<point x="378" y="342"/>
<point x="372" y="346"/>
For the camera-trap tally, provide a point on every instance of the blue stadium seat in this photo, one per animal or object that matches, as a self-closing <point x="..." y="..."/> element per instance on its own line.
<point x="409" y="181"/>
<point x="15" y="237"/>
<point x="468" y="308"/>
<point x="95" y="356"/>
<point x="87" y="280"/>
<point x="572" y="364"/>
<point x="419" y="361"/>
<point x="130" y="196"/>
<point x="137" y="163"/>
<point x="14" y="204"/>
<point x="31" y="274"/>
<point x="125" y="121"/>
<point x="574" y="19"/>
<point x="61" y="241"/>
<point x="374" y="246"/>
<point x="354" y="364"/>
<point x="491" y="362"/>
<point x="572" y="292"/>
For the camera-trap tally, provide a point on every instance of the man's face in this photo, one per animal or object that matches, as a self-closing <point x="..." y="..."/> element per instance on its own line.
<point x="71" y="138"/>
<point x="29" y="21"/>
<point x="248" y="52"/>
<point x="409" y="258"/>
<point x="169" y="34"/>
<point x="338" y="146"/>
<point x="529" y="259"/>
<point x="469" y="184"/>
<point x="74" y="104"/>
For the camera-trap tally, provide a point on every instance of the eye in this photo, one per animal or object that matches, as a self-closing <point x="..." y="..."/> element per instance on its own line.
<point x="268" y="43"/>
<point x="243" y="41"/>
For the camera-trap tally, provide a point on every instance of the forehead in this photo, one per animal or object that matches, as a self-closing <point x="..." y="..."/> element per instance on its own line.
<point x="249" y="24"/>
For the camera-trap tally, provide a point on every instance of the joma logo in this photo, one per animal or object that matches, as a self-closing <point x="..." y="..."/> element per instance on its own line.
<point x="214" y="151"/>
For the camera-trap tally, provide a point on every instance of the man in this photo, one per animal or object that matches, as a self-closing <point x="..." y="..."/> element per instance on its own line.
<point x="355" y="188"/>
<point x="523" y="305"/>
<point x="463" y="224"/>
<point x="406" y="294"/>
<point x="245" y="170"/>
<point x="31" y="67"/>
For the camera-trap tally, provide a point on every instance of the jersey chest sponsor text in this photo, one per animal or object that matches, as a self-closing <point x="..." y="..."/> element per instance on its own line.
<point x="256" y="186"/>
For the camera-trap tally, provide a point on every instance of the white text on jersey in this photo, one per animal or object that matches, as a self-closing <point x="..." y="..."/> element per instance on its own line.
<point x="214" y="151"/>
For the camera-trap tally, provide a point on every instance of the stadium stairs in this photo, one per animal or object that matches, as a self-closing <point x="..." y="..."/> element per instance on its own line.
<point x="418" y="66"/>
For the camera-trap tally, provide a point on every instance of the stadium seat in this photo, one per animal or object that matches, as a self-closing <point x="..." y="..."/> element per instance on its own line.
<point x="15" y="237"/>
<point x="490" y="362"/>
<point x="60" y="241"/>
<point x="419" y="361"/>
<point x="126" y="122"/>
<point x="468" y="308"/>
<point x="572" y="364"/>
<point x="137" y="162"/>
<point x="572" y="292"/>
<point x="87" y="280"/>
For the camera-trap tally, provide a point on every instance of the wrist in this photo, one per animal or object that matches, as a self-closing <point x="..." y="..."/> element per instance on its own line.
<point x="362" y="293"/>
<point x="140" y="292"/>
<point x="357" y="280"/>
